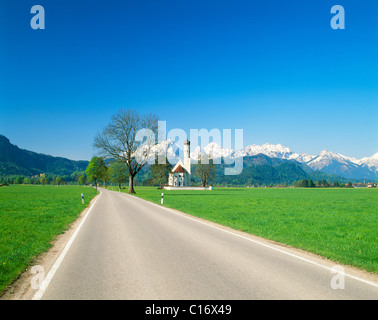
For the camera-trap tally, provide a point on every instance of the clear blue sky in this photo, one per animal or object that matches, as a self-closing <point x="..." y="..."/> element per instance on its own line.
<point x="273" y="68"/>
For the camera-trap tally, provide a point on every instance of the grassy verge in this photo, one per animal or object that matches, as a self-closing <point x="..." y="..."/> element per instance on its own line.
<point x="30" y="218"/>
<point x="339" y="224"/>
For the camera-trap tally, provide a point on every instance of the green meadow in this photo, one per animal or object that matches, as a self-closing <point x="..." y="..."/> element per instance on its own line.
<point x="30" y="218"/>
<point x="339" y="224"/>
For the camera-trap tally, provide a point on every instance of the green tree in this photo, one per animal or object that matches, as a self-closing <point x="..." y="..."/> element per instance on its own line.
<point x="303" y="183"/>
<point x="27" y="180"/>
<point x="58" y="180"/>
<point x="82" y="180"/>
<point x="18" y="180"/>
<point x="96" y="169"/>
<point x="43" y="180"/>
<point x="106" y="177"/>
<point x="310" y="184"/>
<point x="76" y="175"/>
<point x="118" y="173"/>
<point x="160" y="172"/>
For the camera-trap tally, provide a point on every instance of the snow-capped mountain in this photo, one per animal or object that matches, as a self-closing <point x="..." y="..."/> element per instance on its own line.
<point x="303" y="157"/>
<point x="326" y="158"/>
<point x="335" y="163"/>
<point x="213" y="149"/>
<point x="327" y="161"/>
<point x="273" y="151"/>
<point x="268" y="149"/>
<point x="172" y="150"/>
<point x="168" y="147"/>
<point x="370" y="162"/>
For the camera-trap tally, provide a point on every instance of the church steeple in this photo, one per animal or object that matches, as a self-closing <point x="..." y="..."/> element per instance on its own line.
<point x="187" y="155"/>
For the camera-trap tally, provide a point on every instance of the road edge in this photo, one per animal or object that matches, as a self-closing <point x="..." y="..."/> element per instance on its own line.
<point x="351" y="272"/>
<point x="20" y="288"/>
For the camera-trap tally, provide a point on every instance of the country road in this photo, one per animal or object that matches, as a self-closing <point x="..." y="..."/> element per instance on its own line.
<point x="128" y="248"/>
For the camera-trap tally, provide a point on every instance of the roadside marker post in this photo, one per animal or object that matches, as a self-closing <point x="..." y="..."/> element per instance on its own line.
<point x="82" y="198"/>
<point x="162" y="198"/>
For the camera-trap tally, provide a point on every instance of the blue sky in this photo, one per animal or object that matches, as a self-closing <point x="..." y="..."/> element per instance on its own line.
<point x="275" y="69"/>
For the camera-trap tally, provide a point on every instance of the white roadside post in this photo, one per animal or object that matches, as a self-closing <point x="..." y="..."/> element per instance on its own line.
<point x="82" y="198"/>
<point x="162" y="198"/>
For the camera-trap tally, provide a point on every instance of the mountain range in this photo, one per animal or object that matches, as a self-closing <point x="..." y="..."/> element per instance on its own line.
<point x="326" y="161"/>
<point x="259" y="161"/>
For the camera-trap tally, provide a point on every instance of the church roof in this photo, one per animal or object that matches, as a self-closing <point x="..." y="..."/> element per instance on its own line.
<point x="180" y="169"/>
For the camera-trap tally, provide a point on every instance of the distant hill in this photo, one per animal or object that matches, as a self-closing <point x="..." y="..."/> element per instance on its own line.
<point x="262" y="169"/>
<point x="16" y="161"/>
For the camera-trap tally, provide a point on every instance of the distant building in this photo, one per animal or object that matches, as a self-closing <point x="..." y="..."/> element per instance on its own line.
<point x="180" y="174"/>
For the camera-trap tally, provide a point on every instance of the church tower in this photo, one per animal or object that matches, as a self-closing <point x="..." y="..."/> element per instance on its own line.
<point x="187" y="155"/>
<point x="179" y="176"/>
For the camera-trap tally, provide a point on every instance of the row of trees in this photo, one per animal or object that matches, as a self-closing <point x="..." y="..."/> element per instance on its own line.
<point x="118" y="172"/>
<point x="308" y="183"/>
<point x="43" y="179"/>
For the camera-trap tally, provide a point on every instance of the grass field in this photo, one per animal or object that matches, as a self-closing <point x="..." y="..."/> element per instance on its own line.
<point x="30" y="218"/>
<point x="340" y="224"/>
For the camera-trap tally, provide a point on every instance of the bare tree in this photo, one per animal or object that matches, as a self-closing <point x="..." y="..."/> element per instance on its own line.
<point x="128" y="138"/>
<point x="205" y="170"/>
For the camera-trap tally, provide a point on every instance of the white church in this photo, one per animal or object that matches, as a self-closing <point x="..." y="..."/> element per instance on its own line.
<point x="179" y="177"/>
<point x="180" y="174"/>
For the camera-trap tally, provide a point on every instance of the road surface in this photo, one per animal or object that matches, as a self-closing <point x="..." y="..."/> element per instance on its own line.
<point x="128" y="248"/>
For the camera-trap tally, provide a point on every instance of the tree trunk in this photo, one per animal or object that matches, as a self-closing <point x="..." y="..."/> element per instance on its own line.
<point x="131" y="184"/>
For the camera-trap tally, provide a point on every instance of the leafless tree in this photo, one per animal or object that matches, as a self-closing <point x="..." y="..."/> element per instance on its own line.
<point x="128" y="138"/>
<point x="205" y="169"/>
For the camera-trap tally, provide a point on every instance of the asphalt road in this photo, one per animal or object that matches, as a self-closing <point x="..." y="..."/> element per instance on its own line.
<point x="128" y="248"/>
